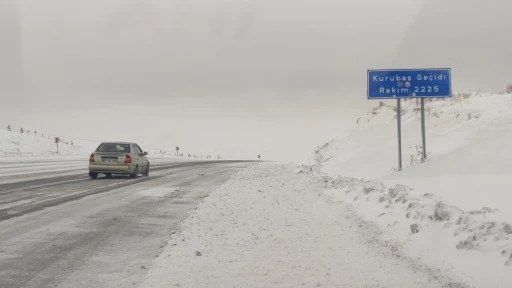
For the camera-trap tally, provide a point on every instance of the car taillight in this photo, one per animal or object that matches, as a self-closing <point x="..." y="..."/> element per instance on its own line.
<point x="128" y="159"/>
<point x="91" y="158"/>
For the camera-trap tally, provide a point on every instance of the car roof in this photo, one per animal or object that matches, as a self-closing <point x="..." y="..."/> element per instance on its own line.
<point x="117" y="142"/>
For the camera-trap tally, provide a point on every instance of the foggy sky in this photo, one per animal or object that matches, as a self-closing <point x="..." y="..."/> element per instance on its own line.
<point x="220" y="67"/>
<point x="193" y="48"/>
<point x="470" y="36"/>
<point x="11" y="63"/>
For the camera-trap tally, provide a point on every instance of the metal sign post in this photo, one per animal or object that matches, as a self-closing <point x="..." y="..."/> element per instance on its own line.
<point x="423" y="134"/>
<point x="399" y="126"/>
<point x="409" y="83"/>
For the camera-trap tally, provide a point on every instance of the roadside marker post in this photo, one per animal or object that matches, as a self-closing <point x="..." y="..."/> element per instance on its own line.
<point x="409" y="84"/>
<point x="57" y="141"/>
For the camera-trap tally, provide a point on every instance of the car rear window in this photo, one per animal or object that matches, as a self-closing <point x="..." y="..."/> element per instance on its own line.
<point x="114" y="147"/>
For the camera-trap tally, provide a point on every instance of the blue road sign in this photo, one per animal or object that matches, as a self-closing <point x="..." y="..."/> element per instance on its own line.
<point x="409" y="83"/>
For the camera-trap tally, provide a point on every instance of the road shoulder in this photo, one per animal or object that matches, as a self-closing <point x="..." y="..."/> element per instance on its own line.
<point x="271" y="227"/>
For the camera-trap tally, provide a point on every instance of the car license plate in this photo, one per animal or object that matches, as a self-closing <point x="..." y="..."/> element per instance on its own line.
<point x="109" y="160"/>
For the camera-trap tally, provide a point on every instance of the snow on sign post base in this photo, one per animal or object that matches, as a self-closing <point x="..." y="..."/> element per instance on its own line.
<point x="408" y="84"/>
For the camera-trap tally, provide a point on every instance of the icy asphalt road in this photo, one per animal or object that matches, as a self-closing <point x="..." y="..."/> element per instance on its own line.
<point x="58" y="228"/>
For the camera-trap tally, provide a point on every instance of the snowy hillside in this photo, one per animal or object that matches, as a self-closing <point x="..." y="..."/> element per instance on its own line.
<point x="454" y="209"/>
<point x="16" y="144"/>
<point x="451" y="125"/>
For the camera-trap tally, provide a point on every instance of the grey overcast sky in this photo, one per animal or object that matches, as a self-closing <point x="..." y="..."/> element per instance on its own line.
<point x="239" y="78"/>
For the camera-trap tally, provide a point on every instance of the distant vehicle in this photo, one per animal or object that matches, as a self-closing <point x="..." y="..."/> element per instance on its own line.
<point x="118" y="158"/>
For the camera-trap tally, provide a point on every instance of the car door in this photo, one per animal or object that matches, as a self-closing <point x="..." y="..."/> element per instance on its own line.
<point x="136" y="156"/>
<point x="142" y="158"/>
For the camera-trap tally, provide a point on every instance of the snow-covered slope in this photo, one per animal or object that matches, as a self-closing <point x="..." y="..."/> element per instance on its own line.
<point x="467" y="143"/>
<point x="454" y="209"/>
<point x="15" y="144"/>
<point x="370" y="149"/>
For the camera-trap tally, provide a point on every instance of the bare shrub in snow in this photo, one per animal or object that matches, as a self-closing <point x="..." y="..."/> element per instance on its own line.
<point x="415" y="228"/>
<point x="398" y="189"/>
<point x="443" y="212"/>
<point x="485" y="210"/>
<point x="403" y="111"/>
<point x="470" y="243"/>
<point x="320" y="153"/>
<point x="402" y="198"/>
<point x="509" y="262"/>
<point x="373" y="186"/>
<point x="16" y="142"/>
<point x="376" y="110"/>
<point x="472" y="115"/>
<point x="308" y="169"/>
<point x="413" y="205"/>
<point x="479" y="233"/>
<point x="396" y="194"/>
<point x="509" y="89"/>
<point x="463" y="95"/>
<point x="416" y="156"/>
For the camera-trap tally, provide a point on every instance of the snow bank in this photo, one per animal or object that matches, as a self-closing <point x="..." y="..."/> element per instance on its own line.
<point x="453" y="211"/>
<point x="14" y="144"/>
<point x="271" y="227"/>
<point x="440" y="233"/>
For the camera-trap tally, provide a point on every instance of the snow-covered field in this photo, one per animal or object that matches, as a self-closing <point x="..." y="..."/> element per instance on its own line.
<point x="14" y="144"/>
<point x="452" y="211"/>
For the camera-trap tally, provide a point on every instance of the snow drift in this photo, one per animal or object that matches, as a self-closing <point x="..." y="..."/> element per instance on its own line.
<point x="453" y="210"/>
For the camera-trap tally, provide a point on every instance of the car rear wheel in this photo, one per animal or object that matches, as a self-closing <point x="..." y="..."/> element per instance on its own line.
<point x="146" y="173"/>
<point x="135" y="172"/>
<point x="93" y="175"/>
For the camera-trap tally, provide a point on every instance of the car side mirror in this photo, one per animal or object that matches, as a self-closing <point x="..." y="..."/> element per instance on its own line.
<point x="145" y="153"/>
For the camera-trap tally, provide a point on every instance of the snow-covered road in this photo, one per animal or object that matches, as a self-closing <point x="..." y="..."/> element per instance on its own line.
<point x="18" y="170"/>
<point x="271" y="227"/>
<point x="78" y="232"/>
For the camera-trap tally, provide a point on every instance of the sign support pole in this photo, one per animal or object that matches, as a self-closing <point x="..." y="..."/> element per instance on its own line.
<point x="399" y="126"/>
<point x="423" y="134"/>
